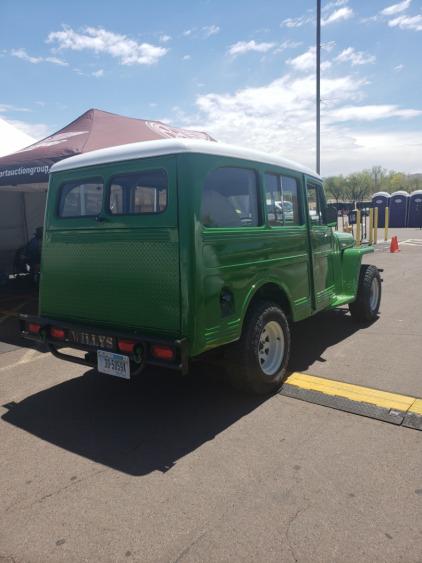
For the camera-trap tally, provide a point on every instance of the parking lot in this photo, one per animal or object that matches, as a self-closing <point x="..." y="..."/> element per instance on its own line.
<point x="185" y="469"/>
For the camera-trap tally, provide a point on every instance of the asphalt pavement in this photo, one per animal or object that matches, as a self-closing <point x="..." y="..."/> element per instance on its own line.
<point x="171" y="469"/>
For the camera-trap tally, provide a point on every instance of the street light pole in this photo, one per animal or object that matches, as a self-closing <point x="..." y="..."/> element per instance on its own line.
<point x="318" y="88"/>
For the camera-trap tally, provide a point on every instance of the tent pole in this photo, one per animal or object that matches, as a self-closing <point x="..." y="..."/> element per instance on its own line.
<point x="25" y="220"/>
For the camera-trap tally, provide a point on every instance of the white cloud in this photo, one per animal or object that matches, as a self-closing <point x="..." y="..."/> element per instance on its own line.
<point x="164" y="38"/>
<point x="399" y="68"/>
<point x="209" y="30"/>
<point x="9" y="107"/>
<point x="33" y="130"/>
<point x="396" y="8"/>
<point x="335" y="4"/>
<point x="201" y="32"/>
<point x="338" y="15"/>
<point x="355" y="57"/>
<point x="297" y="22"/>
<point x="242" y="47"/>
<point x="371" y="113"/>
<point x="307" y="61"/>
<point x="22" y="54"/>
<point x="407" y="22"/>
<point x="98" y="73"/>
<point x="279" y="117"/>
<point x="12" y="138"/>
<point x="186" y="57"/>
<point x="99" y="40"/>
<point x="328" y="46"/>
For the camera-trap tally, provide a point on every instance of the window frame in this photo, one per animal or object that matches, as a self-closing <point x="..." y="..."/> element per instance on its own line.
<point x="258" y="193"/>
<point x="298" y="179"/>
<point x="321" y="203"/>
<point x="79" y="181"/>
<point x="134" y="173"/>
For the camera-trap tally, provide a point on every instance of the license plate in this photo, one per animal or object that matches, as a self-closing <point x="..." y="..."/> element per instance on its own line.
<point x="113" y="364"/>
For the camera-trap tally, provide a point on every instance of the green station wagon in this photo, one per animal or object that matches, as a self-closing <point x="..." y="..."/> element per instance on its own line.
<point x="159" y="251"/>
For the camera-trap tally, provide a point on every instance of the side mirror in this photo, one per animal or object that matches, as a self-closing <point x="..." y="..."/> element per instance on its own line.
<point x="331" y="216"/>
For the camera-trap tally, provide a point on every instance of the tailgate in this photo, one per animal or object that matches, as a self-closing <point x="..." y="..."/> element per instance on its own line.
<point x="120" y="266"/>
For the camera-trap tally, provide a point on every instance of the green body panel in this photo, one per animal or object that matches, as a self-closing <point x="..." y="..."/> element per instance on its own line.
<point x="121" y="273"/>
<point x="165" y="274"/>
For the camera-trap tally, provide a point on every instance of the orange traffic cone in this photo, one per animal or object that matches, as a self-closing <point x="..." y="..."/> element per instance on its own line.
<point x="394" y="246"/>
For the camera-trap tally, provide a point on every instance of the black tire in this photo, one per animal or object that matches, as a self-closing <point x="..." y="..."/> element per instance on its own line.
<point x="246" y="371"/>
<point x="364" y="309"/>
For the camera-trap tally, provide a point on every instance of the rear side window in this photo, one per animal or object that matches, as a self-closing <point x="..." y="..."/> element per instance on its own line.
<point x="230" y="198"/>
<point x="81" y="198"/>
<point x="281" y="200"/>
<point x="139" y="193"/>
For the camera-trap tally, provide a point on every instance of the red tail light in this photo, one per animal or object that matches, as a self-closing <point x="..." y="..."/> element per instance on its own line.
<point x="162" y="352"/>
<point x="126" y="346"/>
<point x="34" y="328"/>
<point x="56" y="332"/>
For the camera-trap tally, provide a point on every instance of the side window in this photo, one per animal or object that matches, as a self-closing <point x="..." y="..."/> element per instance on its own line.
<point x="230" y="198"/>
<point x="281" y="200"/>
<point x="273" y="198"/>
<point x="315" y="204"/>
<point x="81" y="198"/>
<point x="290" y="201"/>
<point x="138" y="193"/>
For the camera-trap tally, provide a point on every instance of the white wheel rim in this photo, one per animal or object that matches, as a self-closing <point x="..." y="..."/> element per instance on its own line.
<point x="374" y="294"/>
<point x="271" y="348"/>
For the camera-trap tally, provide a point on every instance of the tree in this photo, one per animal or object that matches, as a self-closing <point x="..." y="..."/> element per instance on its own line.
<point x="377" y="174"/>
<point x="358" y="185"/>
<point x="335" y="187"/>
<point x="396" y="181"/>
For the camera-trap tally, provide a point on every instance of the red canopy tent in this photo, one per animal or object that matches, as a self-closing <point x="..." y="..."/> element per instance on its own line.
<point x="24" y="174"/>
<point x="94" y="129"/>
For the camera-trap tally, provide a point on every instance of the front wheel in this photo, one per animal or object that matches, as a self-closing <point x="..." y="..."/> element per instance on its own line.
<point x="365" y="308"/>
<point x="260" y="357"/>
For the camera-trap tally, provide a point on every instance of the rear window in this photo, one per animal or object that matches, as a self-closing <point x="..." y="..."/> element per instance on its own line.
<point x="230" y="198"/>
<point x="81" y="198"/>
<point x="138" y="193"/>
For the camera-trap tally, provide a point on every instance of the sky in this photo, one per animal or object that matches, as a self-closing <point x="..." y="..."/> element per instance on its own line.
<point x="244" y="71"/>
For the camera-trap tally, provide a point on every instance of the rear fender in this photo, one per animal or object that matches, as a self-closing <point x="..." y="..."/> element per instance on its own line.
<point x="277" y="291"/>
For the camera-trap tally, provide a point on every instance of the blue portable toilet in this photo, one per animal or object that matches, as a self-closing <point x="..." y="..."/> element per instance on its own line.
<point x="398" y="208"/>
<point x="381" y="200"/>
<point x="414" y="215"/>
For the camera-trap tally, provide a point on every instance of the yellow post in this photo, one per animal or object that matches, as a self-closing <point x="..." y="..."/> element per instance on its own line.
<point x="376" y="225"/>
<point x="387" y="222"/>
<point x="358" y="228"/>
<point x="371" y="226"/>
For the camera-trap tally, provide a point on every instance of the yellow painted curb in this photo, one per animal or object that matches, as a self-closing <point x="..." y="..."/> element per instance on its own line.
<point x="416" y="408"/>
<point x="383" y="399"/>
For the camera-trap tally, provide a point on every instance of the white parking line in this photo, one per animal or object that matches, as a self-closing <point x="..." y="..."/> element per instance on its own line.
<point x="412" y="242"/>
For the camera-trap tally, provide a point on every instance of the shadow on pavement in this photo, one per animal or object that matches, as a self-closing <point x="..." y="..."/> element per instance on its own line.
<point x="20" y="296"/>
<point x="151" y="422"/>
<point x="136" y="427"/>
<point x="311" y="337"/>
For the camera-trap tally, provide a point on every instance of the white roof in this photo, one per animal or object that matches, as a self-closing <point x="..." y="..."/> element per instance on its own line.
<point x="145" y="149"/>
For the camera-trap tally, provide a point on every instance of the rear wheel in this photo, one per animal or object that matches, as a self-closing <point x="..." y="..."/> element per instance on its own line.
<point x="365" y="308"/>
<point x="259" y="359"/>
